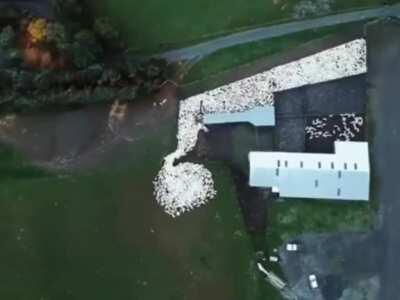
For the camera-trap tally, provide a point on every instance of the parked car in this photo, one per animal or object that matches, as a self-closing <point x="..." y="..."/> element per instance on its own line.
<point x="312" y="279"/>
<point x="292" y="247"/>
<point x="274" y="258"/>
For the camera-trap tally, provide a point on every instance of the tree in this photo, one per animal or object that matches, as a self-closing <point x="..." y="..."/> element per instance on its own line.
<point x="85" y="49"/>
<point x="11" y="55"/>
<point x="66" y="9"/>
<point x="7" y="38"/>
<point x="131" y="67"/>
<point x="154" y="68"/>
<point x="43" y="80"/>
<point x="57" y="35"/>
<point x="110" y="76"/>
<point x="37" y="30"/>
<point x="106" y="30"/>
<point x="22" y="81"/>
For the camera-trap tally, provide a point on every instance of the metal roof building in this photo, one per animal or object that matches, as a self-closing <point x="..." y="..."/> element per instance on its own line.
<point x="344" y="175"/>
<point x="258" y="116"/>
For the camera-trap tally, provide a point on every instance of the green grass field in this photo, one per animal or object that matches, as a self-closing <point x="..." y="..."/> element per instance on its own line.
<point x="294" y="217"/>
<point x="101" y="235"/>
<point x="154" y="25"/>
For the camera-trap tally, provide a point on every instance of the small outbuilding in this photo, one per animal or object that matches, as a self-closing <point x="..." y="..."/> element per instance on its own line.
<point x="258" y="116"/>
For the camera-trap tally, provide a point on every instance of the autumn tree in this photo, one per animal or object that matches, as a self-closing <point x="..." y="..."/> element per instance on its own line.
<point x="37" y="30"/>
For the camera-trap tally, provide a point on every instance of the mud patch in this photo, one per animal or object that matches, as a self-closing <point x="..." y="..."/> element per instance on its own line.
<point x="83" y="138"/>
<point x="322" y="132"/>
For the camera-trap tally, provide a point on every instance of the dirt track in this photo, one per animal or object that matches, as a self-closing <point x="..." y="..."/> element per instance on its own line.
<point x="82" y="138"/>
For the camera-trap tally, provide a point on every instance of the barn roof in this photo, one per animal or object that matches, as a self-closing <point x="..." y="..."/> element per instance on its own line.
<point x="343" y="175"/>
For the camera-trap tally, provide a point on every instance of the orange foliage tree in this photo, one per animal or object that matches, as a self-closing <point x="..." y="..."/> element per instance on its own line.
<point x="37" y="30"/>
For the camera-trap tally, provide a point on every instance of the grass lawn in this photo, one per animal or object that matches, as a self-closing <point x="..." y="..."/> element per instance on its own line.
<point x="98" y="235"/>
<point x="14" y="166"/>
<point x="229" y="58"/>
<point x="156" y="25"/>
<point x="101" y="235"/>
<point x="293" y="217"/>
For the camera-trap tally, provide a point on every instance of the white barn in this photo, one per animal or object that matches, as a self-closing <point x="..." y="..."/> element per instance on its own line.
<point x="344" y="175"/>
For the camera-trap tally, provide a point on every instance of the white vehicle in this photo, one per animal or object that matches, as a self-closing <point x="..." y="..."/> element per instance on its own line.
<point x="313" y="281"/>
<point x="273" y="258"/>
<point x="292" y="247"/>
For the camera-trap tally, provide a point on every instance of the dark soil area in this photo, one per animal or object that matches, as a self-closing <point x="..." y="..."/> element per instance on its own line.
<point x="296" y="108"/>
<point x="231" y="143"/>
<point x="290" y="135"/>
<point x="333" y="128"/>
<point x="215" y="144"/>
<point x="347" y="95"/>
<point x="83" y="137"/>
<point x="253" y="202"/>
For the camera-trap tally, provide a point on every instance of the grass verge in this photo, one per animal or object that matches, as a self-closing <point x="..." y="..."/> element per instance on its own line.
<point x="154" y="26"/>
<point x="229" y="58"/>
<point x="294" y="217"/>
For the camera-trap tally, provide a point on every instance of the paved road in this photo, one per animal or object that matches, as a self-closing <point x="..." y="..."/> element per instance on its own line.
<point x="202" y="49"/>
<point x="384" y="71"/>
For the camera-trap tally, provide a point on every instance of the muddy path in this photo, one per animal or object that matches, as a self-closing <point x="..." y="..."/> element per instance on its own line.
<point x="82" y="138"/>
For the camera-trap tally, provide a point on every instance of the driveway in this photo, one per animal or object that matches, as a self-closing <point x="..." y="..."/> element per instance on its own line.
<point x="384" y="106"/>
